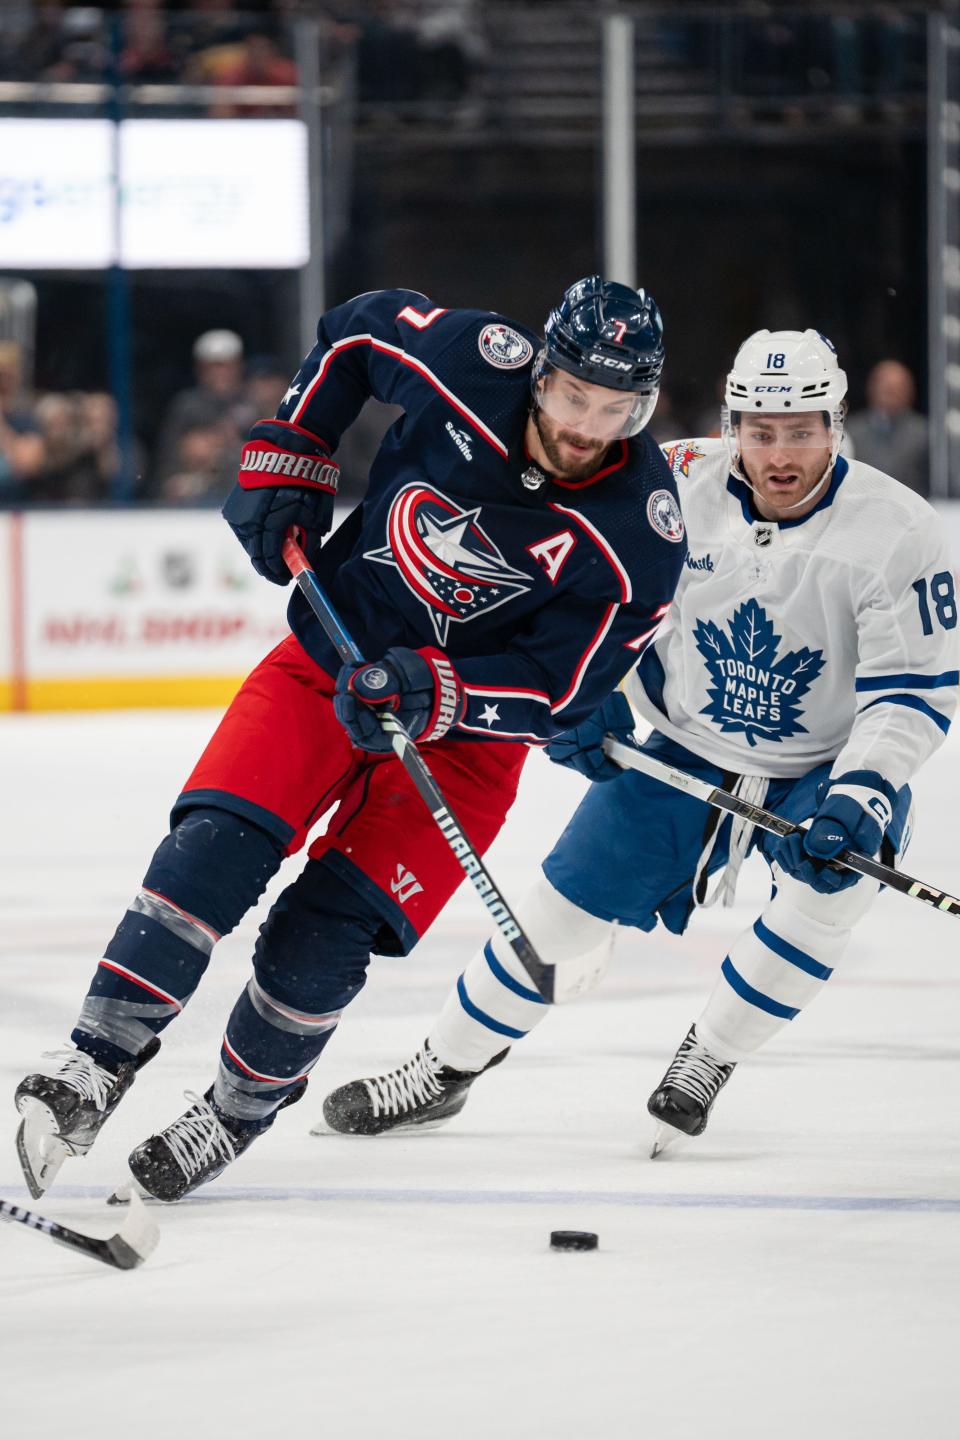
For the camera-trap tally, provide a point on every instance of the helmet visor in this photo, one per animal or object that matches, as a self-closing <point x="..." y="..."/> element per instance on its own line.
<point x="771" y="434"/>
<point x="595" y="412"/>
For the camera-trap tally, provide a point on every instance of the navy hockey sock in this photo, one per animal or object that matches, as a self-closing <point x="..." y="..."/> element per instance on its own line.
<point x="310" y="962"/>
<point x="206" y="874"/>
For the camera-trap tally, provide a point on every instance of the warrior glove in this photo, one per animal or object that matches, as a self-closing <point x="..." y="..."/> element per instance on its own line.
<point x="853" y="815"/>
<point x="420" y="687"/>
<point x="286" y="478"/>
<point x="582" y="747"/>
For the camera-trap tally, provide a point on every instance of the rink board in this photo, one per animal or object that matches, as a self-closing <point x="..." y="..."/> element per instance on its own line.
<point x="103" y="610"/>
<point x="108" y="609"/>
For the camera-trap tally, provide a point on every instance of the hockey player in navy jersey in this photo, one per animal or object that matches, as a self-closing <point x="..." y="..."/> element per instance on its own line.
<point x="518" y="545"/>
<point x="810" y="662"/>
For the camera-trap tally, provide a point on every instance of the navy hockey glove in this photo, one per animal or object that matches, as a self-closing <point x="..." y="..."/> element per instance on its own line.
<point x="582" y="747"/>
<point x="286" y="478"/>
<point x="420" y="687"/>
<point x="853" y="815"/>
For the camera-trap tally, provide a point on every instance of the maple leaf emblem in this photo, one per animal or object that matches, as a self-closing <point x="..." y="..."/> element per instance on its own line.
<point x="752" y="691"/>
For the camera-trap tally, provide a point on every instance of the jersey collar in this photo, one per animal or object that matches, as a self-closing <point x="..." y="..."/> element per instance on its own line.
<point x="742" y="492"/>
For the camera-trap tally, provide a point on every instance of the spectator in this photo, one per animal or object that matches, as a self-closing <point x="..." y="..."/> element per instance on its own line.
<point x="258" y="63"/>
<point x="204" y="467"/>
<point x="146" y="55"/>
<point x="21" y="443"/>
<point x="265" y="387"/>
<point x="82" y="454"/>
<point x="889" y="433"/>
<point x="216" y="397"/>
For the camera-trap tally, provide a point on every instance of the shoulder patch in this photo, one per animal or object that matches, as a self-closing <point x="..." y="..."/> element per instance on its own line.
<point x="680" y="456"/>
<point x="663" y="512"/>
<point x="504" y="347"/>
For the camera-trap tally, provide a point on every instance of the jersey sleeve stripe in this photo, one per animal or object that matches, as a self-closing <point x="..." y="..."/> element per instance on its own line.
<point x="587" y="656"/>
<point x="626" y="587"/>
<point x="513" y="694"/>
<point x="912" y="702"/>
<point x="349" y="341"/>
<point x="908" y="681"/>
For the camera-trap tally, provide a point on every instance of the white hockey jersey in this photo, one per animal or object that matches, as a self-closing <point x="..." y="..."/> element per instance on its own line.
<point x="829" y="638"/>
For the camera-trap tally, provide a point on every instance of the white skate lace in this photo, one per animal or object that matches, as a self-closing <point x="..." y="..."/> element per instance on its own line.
<point x="414" y="1083"/>
<point x="82" y="1074"/>
<point x="753" y="789"/>
<point x="696" y="1072"/>
<point x="196" y="1136"/>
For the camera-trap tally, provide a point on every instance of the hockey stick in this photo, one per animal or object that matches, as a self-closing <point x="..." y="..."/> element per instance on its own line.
<point x="633" y="759"/>
<point x="542" y="975"/>
<point x="134" y="1241"/>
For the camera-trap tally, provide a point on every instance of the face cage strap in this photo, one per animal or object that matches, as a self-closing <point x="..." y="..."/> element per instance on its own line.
<point x="641" y="412"/>
<point x="729" y="434"/>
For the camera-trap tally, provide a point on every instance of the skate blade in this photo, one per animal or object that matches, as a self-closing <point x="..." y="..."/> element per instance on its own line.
<point x="668" y="1137"/>
<point x="39" y="1147"/>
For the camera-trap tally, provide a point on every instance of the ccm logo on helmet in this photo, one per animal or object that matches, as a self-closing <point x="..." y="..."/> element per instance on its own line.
<point x="774" y="389"/>
<point x="608" y="363"/>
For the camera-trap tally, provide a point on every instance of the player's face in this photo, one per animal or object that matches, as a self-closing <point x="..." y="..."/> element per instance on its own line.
<point x="784" y="457"/>
<point x="577" y="421"/>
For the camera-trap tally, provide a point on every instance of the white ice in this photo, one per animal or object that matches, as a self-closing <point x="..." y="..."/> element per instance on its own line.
<point x="794" y="1273"/>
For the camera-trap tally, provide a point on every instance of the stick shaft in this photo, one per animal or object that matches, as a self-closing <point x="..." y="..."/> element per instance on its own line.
<point x="416" y="767"/>
<point x="73" y="1239"/>
<point x="633" y="759"/>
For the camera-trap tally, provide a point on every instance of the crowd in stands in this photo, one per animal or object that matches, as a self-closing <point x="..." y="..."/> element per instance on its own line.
<point x="60" y="449"/>
<point x="405" y="49"/>
<point x="776" y="59"/>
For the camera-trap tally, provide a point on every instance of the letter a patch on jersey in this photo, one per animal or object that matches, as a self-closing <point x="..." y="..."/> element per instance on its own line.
<point x="552" y="552"/>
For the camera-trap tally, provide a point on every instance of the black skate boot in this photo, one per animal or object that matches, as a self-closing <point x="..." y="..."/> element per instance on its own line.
<point x="63" y="1113"/>
<point x="423" y="1093"/>
<point x="682" y="1101"/>
<point x="194" y="1149"/>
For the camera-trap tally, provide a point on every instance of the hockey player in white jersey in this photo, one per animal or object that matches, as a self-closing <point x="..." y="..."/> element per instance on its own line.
<point x="809" y="662"/>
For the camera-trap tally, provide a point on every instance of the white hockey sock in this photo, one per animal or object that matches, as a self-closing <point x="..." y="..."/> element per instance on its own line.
<point x="779" y="965"/>
<point x="494" y="1003"/>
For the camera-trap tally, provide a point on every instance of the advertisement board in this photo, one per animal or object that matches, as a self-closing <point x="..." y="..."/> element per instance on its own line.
<point x="145" y="608"/>
<point x="192" y="194"/>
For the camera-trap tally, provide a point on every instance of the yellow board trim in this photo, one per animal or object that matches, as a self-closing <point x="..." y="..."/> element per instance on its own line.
<point x="123" y="692"/>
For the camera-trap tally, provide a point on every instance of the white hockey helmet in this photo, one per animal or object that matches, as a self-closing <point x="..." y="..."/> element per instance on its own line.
<point x="779" y="371"/>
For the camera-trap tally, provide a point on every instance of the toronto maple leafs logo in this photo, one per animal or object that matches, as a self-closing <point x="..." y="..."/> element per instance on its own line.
<point x="753" y="691"/>
<point x="446" y="558"/>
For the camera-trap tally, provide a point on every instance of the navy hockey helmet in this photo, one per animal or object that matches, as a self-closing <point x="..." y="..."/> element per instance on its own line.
<point x="606" y="334"/>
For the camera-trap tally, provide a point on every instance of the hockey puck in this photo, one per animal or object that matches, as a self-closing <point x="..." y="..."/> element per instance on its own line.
<point x="573" y="1240"/>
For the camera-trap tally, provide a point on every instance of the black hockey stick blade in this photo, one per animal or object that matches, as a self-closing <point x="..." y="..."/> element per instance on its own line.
<point x="136" y="1239"/>
<point x="631" y="758"/>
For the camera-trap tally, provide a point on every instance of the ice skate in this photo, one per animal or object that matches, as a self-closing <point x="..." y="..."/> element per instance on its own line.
<point x="682" y="1101"/>
<point x="196" y="1148"/>
<point x="423" y="1092"/>
<point x="64" y="1112"/>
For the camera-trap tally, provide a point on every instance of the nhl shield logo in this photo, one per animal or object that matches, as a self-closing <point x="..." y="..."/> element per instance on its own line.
<point x="504" y="347"/>
<point x="663" y="512"/>
<point x="446" y="559"/>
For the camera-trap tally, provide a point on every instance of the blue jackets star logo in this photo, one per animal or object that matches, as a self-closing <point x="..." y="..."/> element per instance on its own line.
<point x="446" y="558"/>
<point x="753" y="691"/>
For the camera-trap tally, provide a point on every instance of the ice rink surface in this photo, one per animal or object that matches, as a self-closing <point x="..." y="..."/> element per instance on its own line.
<point x="794" y="1273"/>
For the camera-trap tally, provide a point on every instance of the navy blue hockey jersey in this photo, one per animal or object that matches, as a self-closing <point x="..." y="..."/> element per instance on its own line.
<point x="543" y="600"/>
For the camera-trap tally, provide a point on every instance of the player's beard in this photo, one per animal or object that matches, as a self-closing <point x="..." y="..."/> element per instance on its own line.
<point x="552" y="439"/>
